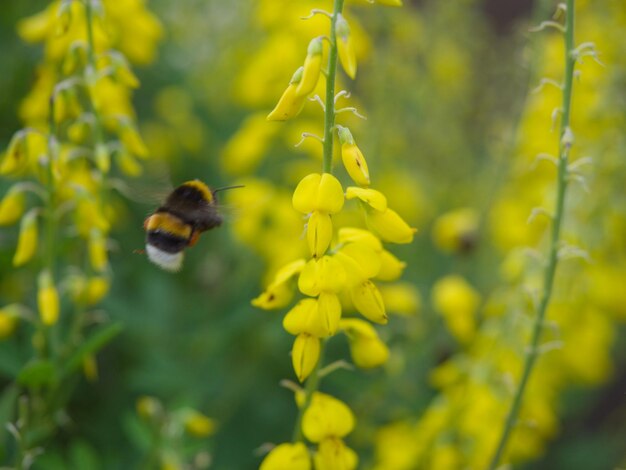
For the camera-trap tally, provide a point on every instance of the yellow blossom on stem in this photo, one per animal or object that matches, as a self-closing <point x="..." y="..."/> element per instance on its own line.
<point x="312" y="68"/>
<point x="287" y="456"/>
<point x="456" y="231"/>
<point x="326" y="417"/>
<point x="318" y="317"/>
<point x="12" y="206"/>
<point x="317" y="192"/>
<point x="290" y="104"/>
<point x="97" y="250"/>
<point x="391" y="268"/>
<point x="375" y="199"/>
<point x="27" y="240"/>
<point x="47" y="299"/>
<point x="352" y="157"/>
<point x="304" y="355"/>
<point x="390" y="226"/>
<point x="458" y="302"/>
<point x="333" y="454"/>
<point x="366" y="348"/>
<point x="197" y="424"/>
<point x="345" y="47"/>
<point x="9" y="317"/>
<point x="325" y="274"/>
<point x="278" y="293"/>
<point x="367" y="299"/>
<point x="319" y="232"/>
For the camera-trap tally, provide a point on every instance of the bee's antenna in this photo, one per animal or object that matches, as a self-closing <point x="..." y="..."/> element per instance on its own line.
<point x="228" y="187"/>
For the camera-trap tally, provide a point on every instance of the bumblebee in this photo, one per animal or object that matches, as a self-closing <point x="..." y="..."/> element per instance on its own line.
<point x="188" y="210"/>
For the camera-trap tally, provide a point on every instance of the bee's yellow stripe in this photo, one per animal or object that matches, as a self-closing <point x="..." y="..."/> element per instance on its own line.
<point x="169" y="223"/>
<point x="200" y="186"/>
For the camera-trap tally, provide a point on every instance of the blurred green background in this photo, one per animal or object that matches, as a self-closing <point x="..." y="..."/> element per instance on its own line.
<point x="193" y="339"/>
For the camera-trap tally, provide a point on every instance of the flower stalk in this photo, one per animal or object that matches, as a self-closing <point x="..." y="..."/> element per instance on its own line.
<point x="565" y="143"/>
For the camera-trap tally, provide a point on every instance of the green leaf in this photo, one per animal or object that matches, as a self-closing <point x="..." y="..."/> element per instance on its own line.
<point x="92" y="345"/>
<point x="37" y="373"/>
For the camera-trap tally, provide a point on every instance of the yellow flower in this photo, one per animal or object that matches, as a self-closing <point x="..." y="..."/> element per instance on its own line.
<point x="375" y="199"/>
<point x="304" y="355"/>
<point x="353" y="159"/>
<point x="458" y="302"/>
<point x="345" y="47"/>
<point x="366" y="348"/>
<point x="318" y="317"/>
<point x="326" y="417"/>
<point x="198" y="424"/>
<point x="456" y="230"/>
<point x="12" y="206"/>
<point x="367" y="300"/>
<point x="27" y="241"/>
<point x="47" y="299"/>
<point x="287" y="456"/>
<point x="148" y="407"/>
<point x="352" y="234"/>
<point x="333" y="454"/>
<point x="290" y="104"/>
<point x="278" y="293"/>
<point x="97" y="250"/>
<point x="9" y="317"/>
<point x="315" y="192"/>
<point x="325" y="274"/>
<point x="391" y="268"/>
<point x="312" y="68"/>
<point x="390" y="226"/>
<point x="359" y="261"/>
<point x="319" y="232"/>
<point x="401" y="298"/>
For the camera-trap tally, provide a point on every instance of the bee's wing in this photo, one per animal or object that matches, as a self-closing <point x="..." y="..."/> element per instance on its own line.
<point x="152" y="187"/>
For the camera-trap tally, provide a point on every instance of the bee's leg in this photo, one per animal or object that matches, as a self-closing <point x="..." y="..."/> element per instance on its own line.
<point x="193" y="239"/>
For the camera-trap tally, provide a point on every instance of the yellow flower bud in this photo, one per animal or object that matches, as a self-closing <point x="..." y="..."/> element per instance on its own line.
<point x="132" y="140"/>
<point x="315" y="192"/>
<point x="319" y="318"/>
<point x="319" y="233"/>
<point x="128" y="164"/>
<point x="47" y="299"/>
<point x="102" y="158"/>
<point x="197" y="424"/>
<point x="290" y="104"/>
<point x="458" y="302"/>
<point x="325" y="274"/>
<point x="326" y="417"/>
<point x="390" y="268"/>
<point x="333" y="454"/>
<point x="90" y="368"/>
<point x="351" y="234"/>
<point x="12" y="206"/>
<point x="401" y="298"/>
<point x="278" y="294"/>
<point x="353" y="159"/>
<point x="366" y="348"/>
<point x="345" y="47"/>
<point x="304" y="355"/>
<point x="97" y="250"/>
<point x="148" y="407"/>
<point x="375" y="199"/>
<point x="9" y="317"/>
<point x="390" y="226"/>
<point x="97" y="287"/>
<point x="27" y="240"/>
<point x="368" y="302"/>
<point x="312" y="68"/>
<point x="456" y="230"/>
<point x="287" y="457"/>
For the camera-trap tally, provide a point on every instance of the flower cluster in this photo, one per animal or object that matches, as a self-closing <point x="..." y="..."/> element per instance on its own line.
<point x="462" y="425"/>
<point x="344" y="265"/>
<point x="80" y="136"/>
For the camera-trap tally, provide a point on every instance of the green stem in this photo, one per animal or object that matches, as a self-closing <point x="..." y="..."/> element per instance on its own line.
<point x="312" y="384"/>
<point x="550" y="271"/>
<point x="329" y="114"/>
